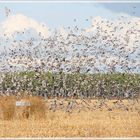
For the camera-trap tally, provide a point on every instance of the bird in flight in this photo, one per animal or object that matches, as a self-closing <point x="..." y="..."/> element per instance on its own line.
<point x="7" y="12"/>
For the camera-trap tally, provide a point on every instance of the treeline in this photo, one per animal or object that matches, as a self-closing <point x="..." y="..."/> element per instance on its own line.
<point x="77" y="85"/>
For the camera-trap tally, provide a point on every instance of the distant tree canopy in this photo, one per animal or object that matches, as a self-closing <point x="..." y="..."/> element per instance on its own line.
<point x="48" y="84"/>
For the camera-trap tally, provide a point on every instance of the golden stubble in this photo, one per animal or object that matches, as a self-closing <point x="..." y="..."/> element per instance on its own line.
<point x="59" y="123"/>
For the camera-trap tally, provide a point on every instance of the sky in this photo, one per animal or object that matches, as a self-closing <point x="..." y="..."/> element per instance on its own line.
<point x="56" y="15"/>
<point x="35" y="20"/>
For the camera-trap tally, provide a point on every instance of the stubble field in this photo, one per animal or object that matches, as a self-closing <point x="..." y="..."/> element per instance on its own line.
<point x="86" y="119"/>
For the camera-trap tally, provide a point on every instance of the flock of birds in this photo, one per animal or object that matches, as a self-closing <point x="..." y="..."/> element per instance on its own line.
<point x="102" y="48"/>
<point x="74" y="105"/>
<point x="105" y="47"/>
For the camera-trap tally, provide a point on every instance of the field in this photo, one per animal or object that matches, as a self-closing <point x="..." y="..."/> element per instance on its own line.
<point x="69" y="70"/>
<point x="87" y="118"/>
<point x="70" y="105"/>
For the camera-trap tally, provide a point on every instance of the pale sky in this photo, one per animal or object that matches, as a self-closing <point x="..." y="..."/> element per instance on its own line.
<point x="62" y="14"/>
<point x="36" y="19"/>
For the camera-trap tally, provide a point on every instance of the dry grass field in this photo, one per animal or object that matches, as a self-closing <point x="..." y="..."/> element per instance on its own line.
<point x="97" y="122"/>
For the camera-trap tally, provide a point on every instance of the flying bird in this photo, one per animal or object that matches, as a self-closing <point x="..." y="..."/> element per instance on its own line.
<point x="7" y="12"/>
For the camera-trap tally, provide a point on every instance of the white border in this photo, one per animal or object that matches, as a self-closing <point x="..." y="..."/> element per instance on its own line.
<point x="69" y="1"/>
<point x="72" y="1"/>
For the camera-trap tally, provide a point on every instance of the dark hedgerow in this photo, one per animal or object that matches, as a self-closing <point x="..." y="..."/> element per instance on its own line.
<point x="78" y="85"/>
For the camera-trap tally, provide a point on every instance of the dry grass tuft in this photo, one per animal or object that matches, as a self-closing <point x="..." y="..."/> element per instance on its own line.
<point x="9" y="110"/>
<point x="7" y="107"/>
<point x="38" y="107"/>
